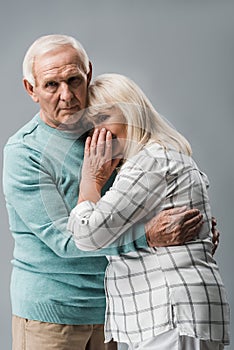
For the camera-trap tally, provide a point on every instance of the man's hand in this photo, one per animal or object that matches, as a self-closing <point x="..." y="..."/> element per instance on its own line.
<point x="173" y="227"/>
<point x="216" y="235"/>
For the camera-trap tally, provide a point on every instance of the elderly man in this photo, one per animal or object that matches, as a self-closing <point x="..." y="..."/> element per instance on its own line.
<point x="57" y="291"/>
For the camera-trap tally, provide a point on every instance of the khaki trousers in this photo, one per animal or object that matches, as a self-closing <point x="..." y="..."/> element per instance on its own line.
<point x="36" y="335"/>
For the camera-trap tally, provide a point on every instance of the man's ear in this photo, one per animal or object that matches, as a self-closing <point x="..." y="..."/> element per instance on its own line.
<point x="30" y="90"/>
<point x="89" y="75"/>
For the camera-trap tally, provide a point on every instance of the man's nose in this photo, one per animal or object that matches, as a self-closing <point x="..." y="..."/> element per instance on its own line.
<point x="65" y="92"/>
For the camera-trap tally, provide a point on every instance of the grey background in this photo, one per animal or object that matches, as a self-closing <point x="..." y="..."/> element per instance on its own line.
<point x="181" y="53"/>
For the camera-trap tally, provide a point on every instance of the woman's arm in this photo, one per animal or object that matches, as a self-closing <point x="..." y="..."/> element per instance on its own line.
<point x="139" y="187"/>
<point x="169" y="227"/>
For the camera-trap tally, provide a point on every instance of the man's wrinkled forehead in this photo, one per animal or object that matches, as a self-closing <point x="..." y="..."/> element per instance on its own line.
<point x="59" y="61"/>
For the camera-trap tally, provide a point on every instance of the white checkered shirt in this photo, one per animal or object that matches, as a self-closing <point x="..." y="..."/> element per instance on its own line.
<point x="150" y="291"/>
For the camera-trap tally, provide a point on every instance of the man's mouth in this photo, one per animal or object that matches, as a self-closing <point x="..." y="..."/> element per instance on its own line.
<point x="72" y="108"/>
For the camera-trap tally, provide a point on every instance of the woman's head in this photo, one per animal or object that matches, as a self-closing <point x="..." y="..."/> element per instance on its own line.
<point x="115" y="92"/>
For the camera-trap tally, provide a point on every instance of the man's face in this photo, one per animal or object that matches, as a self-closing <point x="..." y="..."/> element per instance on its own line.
<point x="60" y="86"/>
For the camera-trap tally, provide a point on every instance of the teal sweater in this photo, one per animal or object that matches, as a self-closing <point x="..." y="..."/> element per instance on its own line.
<point x="52" y="281"/>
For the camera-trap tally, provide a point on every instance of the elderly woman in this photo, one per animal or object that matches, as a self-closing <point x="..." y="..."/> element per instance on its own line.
<point x="157" y="298"/>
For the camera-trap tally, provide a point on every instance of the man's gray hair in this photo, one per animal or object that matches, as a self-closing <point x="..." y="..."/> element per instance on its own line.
<point x="48" y="43"/>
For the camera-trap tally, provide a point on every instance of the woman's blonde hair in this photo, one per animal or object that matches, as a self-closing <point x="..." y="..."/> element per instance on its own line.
<point x="144" y="124"/>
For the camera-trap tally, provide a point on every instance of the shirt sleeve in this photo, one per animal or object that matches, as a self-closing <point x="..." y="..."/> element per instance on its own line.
<point x="36" y="206"/>
<point x="138" y="190"/>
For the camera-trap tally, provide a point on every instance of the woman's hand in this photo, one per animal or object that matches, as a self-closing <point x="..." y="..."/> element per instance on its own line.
<point x="97" y="166"/>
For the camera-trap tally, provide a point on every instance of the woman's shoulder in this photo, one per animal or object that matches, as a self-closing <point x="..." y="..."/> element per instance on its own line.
<point x="155" y="154"/>
<point x="147" y="157"/>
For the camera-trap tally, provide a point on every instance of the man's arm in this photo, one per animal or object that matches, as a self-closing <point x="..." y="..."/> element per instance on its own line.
<point x="173" y="227"/>
<point x="177" y="226"/>
<point x="216" y="235"/>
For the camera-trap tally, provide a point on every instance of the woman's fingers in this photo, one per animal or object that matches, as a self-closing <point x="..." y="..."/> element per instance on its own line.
<point x="101" y="142"/>
<point x="99" y="147"/>
<point x="94" y="141"/>
<point x="108" y="147"/>
<point x="87" y="146"/>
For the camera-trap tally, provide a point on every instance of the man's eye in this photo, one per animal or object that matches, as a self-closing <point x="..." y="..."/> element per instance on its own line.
<point x="51" y="85"/>
<point x="74" y="81"/>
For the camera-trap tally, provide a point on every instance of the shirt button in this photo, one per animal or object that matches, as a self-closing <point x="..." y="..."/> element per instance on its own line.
<point x="84" y="221"/>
